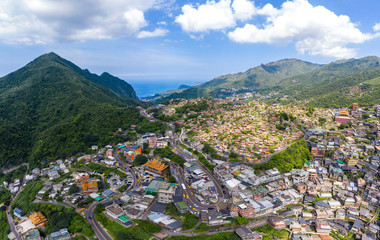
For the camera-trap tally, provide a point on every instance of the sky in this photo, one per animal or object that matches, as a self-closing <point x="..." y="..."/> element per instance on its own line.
<point x="169" y="41"/>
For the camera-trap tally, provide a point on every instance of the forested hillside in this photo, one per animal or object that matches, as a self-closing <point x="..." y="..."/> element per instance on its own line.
<point x="49" y="109"/>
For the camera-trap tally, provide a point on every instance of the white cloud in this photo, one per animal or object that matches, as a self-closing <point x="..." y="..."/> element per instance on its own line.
<point x="243" y="9"/>
<point x="315" y="30"/>
<point x="376" y="27"/>
<point x="158" y="32"/>
<point x="209" y="16"/>
<point x="46" y="21"/>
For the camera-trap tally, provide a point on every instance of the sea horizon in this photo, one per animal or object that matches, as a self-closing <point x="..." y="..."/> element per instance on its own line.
<point x="149" y="87"/>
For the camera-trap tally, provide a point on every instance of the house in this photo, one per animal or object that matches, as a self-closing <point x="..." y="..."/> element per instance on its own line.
<point x="246" y="234"/>
<point x="18" y="212"/>
<point x="38" y="219"/>
<point x="62" y="234"/>
<point x="89" y="187"/>
<point x="317" y="150"/>
<point x="107" y="194"/>
<point x="322" y="226"/>
<point x="277" y="222"/>
<point x="300" y="176"/>
<point x="309" y="199"/>
<point x="114" y="211"/>
<point x="166" y="192"/>
<point x="356" y="226"/>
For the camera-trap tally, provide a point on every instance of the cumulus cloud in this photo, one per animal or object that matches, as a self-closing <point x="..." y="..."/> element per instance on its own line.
<point x="209" y="16"/>
<point x="243" y="9"/>
<point x="376" y="27"/>
<point x="315" y="30"/>
<point x="158" y="32"/>
<point x="46" y="21"/>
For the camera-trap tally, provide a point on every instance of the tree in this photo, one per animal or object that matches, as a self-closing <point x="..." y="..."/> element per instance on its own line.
<point x="73" y="189"/>
<point x="242" y="220"/>
<point x="140" y="160"/>
<point x="172" y="179"/>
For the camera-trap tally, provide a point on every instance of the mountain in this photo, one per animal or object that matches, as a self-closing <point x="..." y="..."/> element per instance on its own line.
<point x="184" y="86"/>
<point x="158" y="96"/>
<point x="362" y="87"/>
<point x="260" y="77"/>
<point x="328" y="73"/>
<point x="120" y="87"/>
<point x="289" y="77"/>
<point x="51" y="108"/>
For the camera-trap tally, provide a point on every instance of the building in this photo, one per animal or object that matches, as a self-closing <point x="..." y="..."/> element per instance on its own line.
<point x="38" y="219"/>
<point x="277" y="222"/>
<point x="166" y="192"/>
<point x="79" y="177"/>
<point x="33" y="235"/>
<point x="107" y="194"/>
<point x="246" y="234"/>
<point x="156" y="166"/>
<point x="89" y="187"/>
<point x="114" y="211"/>
<point x="62" y="234"/>
<point x="354" y="107"/>
<point x="351" y="162"/>
<point x="152" y="141"/>
<point x="132" y="152"/>
<point x="312" y="174"/>
<point x="109" y="153"/>
<point x="300" y="176"/>
<point x="18" y="212"/>
<point x="343" y="119"/>
<point x="322" y="226"/>
<point x="356" y="226"/>
<point x="318" y="150"/>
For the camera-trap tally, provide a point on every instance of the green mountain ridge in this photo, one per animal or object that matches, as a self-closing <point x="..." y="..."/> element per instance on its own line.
<point x="51" y="108"/>
<point x="288" y="77"/>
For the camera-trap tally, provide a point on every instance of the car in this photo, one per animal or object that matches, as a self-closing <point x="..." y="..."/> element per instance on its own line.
<point x="90" y="218"/>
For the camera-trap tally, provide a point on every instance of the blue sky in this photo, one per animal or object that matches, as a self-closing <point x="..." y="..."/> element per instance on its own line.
<point x="185" y="41"/>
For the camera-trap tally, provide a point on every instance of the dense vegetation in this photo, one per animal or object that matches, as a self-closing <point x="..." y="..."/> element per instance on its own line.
<point x="4" y="226"/>
<point x="270" y="232"/>
<point x="208" y="149"/>
<point x="50" y="109"/>
<point x="140" y="160"/>
<point x="295" y="156"/>
<point x="167" y="153"/>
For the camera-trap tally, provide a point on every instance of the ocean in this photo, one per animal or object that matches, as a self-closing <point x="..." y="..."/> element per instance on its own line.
<point x="147" y="88"/>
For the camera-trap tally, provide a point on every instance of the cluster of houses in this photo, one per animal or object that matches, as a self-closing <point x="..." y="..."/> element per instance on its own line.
<point x="251" y="130"/>
<point x="337" y="191"/>
<point x="28" y="226"/>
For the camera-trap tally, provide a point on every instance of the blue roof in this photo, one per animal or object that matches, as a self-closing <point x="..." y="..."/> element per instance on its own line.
<point x="154" y="216"/>
<point x="18" y="210"/>
<point x="107" y="193"/>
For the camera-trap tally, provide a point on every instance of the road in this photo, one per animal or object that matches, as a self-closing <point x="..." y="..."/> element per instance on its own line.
<point x="189" y="197"/>
<point x="99" y="231"/>
<point x="9" y="208"/>
<point x="222" y="193"/>
<point x="90" y="216"/>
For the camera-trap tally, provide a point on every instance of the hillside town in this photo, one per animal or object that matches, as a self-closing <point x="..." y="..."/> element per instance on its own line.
<point x="168" y="182"/>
